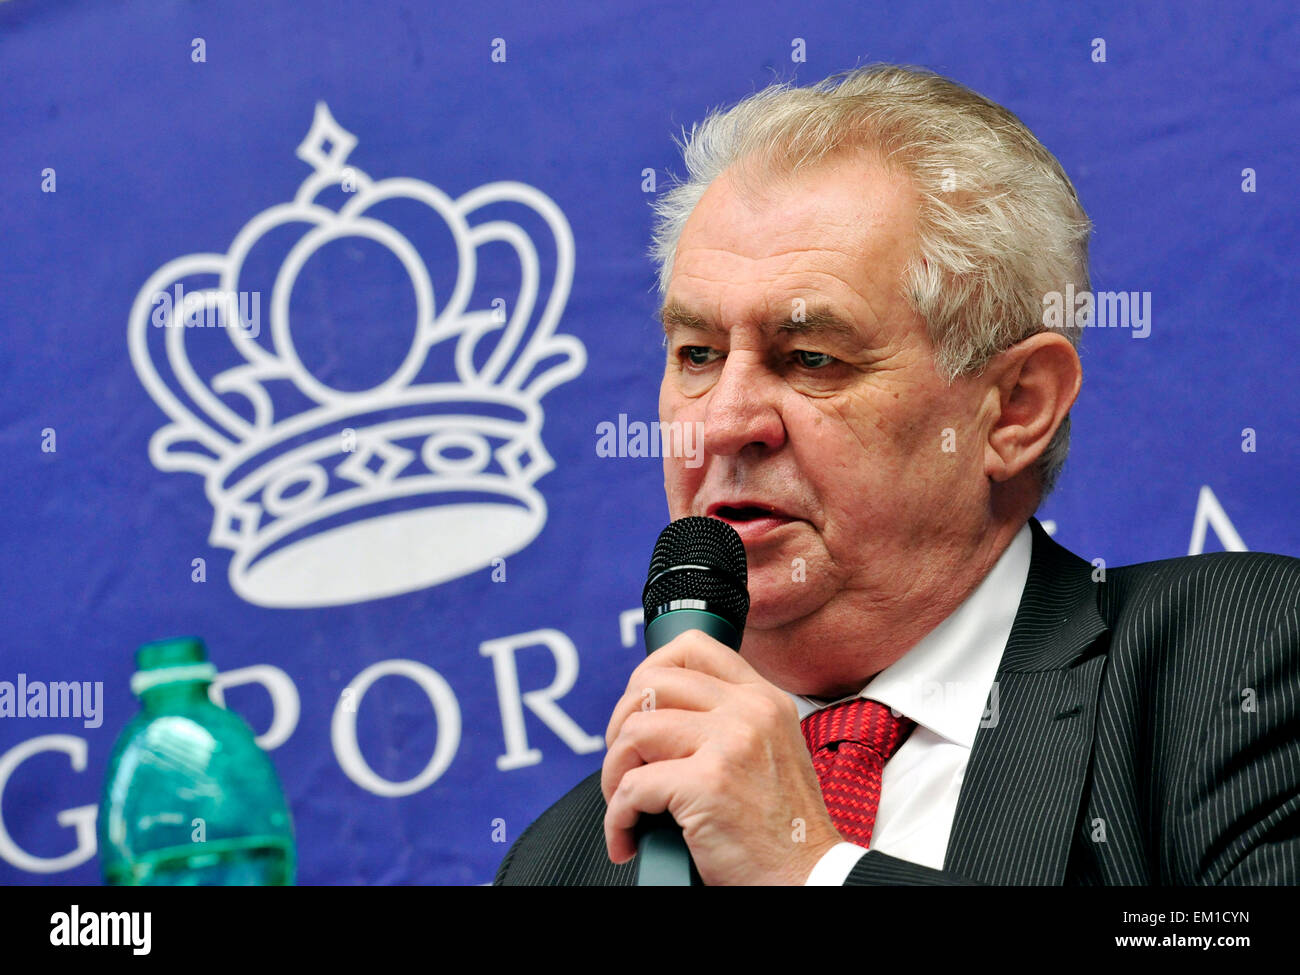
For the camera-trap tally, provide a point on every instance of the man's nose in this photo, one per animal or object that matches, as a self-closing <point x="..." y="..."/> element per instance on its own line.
<point x="742" y="408"/>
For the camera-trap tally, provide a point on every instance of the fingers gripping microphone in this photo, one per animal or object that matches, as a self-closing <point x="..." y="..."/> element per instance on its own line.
<point x="697" y="581"/>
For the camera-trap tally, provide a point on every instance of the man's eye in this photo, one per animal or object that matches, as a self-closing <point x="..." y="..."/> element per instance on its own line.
<point x="698" y="355"/>
<point x="814" y="360"/>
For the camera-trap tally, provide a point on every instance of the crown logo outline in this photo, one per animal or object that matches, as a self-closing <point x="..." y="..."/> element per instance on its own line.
<point x="316" y="520"/>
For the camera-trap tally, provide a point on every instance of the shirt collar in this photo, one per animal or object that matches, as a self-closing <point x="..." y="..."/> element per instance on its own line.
<point x="943" y="682"/>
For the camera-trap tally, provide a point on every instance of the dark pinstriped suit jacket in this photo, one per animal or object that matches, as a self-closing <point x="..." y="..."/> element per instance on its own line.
<point x="1148" y="733"/>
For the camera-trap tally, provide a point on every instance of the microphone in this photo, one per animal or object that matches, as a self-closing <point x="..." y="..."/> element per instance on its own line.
<point x="698" y="580"/>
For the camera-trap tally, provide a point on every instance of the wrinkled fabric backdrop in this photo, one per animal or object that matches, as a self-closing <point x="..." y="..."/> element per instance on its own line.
<point x="367" y="472"/>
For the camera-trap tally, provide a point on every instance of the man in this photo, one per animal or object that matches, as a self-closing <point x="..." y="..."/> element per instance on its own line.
<point x="853" y="279"/>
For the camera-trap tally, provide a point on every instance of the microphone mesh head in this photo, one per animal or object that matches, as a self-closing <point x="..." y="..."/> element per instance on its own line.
<point x="699" y="558"/>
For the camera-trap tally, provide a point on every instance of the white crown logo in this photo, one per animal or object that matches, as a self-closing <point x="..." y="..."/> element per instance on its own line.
<point x="352" y="495"/>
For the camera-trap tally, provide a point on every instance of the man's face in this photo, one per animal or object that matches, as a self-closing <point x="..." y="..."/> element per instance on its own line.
<point x="845" y="462"/>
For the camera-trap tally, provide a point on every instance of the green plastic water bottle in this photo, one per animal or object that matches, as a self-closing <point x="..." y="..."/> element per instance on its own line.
<point x="190" y="799"/>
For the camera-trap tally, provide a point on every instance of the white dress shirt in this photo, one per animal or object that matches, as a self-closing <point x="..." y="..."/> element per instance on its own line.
<point x="943" y="685"/>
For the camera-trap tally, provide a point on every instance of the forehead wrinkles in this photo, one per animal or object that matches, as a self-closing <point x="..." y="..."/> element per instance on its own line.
<point x="802" y="215"/>
<point x="791" y="271"/>
<point x="812" y="236"/>
<point x="838" y="236"/>
<point x="808" y="302"/>
<point x="852" y="193"/>
<point x="747" y="280"/>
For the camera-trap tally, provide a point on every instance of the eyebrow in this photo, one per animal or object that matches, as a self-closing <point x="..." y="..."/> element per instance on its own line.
<point x="816" y="320"/>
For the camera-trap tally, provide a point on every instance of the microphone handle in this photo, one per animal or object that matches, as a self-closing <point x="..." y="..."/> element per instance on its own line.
<point x="662" y="857"/>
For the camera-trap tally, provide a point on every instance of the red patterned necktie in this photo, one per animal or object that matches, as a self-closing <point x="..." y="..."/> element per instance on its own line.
<point x="850" y="744"/>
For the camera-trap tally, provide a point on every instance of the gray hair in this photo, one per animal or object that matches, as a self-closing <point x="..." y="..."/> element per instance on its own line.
<point x="999" y="223"/>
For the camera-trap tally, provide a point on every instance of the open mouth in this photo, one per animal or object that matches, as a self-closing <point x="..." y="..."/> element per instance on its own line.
<point x="743" y="513"/>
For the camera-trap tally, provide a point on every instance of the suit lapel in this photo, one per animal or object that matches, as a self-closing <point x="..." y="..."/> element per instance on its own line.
<point x="1020" y="799"/>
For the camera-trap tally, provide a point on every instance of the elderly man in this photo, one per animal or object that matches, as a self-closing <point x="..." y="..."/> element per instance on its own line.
<point x="853" y="281"/>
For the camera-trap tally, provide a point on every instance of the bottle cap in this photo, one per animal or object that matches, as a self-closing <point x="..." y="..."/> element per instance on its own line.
<point x="170" y="662"/>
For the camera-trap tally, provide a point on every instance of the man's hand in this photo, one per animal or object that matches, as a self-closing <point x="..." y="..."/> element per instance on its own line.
<point x="700" y="734"/>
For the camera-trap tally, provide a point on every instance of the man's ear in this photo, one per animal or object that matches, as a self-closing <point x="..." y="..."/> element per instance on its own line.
<point x="1033" y="384"/>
